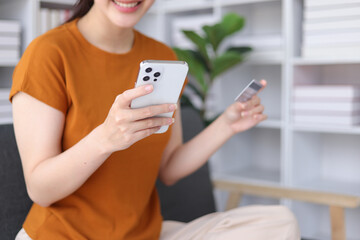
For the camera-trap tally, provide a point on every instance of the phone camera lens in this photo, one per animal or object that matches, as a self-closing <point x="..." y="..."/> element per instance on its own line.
<point x="146" y="78"/>
<point x="155" y="80"/>
<point x="148" y="70"/>
<point x="157" y="74"/>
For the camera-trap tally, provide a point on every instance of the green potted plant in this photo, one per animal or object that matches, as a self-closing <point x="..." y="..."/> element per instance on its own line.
<point x="207" y="61"/>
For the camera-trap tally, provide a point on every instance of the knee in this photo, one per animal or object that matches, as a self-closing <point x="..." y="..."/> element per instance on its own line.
<point x="289" y="220"/>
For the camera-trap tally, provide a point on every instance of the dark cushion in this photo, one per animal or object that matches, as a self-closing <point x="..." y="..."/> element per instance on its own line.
<point x="191" y="197"/>
<point x="14" y="201"/>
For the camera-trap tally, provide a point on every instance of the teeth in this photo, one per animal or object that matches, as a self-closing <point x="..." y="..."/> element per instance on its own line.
<point x="126" y="5"/>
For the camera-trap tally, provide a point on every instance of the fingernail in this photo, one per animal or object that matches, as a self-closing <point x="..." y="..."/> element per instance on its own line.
<point x="148" y="88"/>
<point x="244" y="114"/>
<point x="172" y="120"/>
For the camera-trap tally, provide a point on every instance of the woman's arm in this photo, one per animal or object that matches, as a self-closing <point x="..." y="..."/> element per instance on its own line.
<point x="51" y="174"/>
<point x="180" y="160"/>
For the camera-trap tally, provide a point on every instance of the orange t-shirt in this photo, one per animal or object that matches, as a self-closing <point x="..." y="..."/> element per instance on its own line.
<point x="119" y="201"/>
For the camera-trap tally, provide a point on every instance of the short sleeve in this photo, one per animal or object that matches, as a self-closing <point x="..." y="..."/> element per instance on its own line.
<point x="40" y="73"/>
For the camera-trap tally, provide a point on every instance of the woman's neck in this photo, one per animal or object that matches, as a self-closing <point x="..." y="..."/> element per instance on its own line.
<point x="105" y="35"/>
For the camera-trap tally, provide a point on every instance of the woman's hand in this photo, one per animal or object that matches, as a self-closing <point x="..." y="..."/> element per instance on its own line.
<point x="125" y="126"/>
<point x="243" y="116"/>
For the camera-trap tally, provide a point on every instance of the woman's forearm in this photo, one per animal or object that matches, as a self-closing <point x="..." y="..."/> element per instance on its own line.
<point x="192" y="155"/>
<point x="66" y="172"/>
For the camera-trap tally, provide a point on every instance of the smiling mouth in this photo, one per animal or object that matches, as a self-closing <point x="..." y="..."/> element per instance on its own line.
<point x="127" y="5"/>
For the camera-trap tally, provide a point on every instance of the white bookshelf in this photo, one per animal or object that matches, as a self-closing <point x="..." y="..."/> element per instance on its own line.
<point x="277" y="151"/>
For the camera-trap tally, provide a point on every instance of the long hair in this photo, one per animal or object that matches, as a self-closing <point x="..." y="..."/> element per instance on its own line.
<point x="81" y="8"/>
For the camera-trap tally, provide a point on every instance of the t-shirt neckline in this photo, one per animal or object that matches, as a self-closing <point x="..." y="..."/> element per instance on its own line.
<point x="97" y="51"/>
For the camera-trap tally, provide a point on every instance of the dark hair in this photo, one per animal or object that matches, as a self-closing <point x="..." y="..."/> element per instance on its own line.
<point x="81" y="8"/>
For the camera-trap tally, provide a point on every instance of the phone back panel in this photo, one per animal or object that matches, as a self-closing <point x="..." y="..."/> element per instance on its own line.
<point x="167" y="77"/>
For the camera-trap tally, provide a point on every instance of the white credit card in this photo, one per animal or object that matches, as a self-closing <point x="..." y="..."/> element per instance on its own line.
<point x="249" y="91"/>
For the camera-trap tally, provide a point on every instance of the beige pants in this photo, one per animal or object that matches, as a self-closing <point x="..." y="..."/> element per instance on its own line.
<point x="245" y="223"/>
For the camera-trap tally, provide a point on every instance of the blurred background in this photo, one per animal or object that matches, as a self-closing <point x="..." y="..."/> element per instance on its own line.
<point x="307" y="50"/>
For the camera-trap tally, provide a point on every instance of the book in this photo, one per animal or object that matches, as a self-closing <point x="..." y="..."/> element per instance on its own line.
<point x="345" y="39"/>
<point x="9" y="53"/>
<point x="10" y="26"/>
<point x="45" y="20"/>
<point x="334" y="120"/>
<point x="332" y="26"/>
<point x="327" y="3"/>
<point x="323" y="106"/>
<point x="334" y="52"/>
<point x="327" y="91"/>
<point x="9" y="41"/>
<point x="54" y="18"/>
<point x="332" y="13"/>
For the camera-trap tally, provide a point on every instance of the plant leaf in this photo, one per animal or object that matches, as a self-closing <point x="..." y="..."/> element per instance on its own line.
<point x="198" y="41"/>
<point x="224" y="62"/>
<point x="214" y="35"/>
<point x="196" y="68"/>
<point x="232" y="23"/>
<point x="240" y="50"/>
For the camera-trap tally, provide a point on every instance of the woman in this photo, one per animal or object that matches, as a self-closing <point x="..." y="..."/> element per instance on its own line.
<point x="90" y="162"/>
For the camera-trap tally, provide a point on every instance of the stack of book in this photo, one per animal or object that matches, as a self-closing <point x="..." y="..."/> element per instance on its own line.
<point x="327" y="104"/>
<point x="5" y="106"/>
<point x="9" y="40"/>
<point x="331" y="29"/>
<point x="51" y="18"/>
<point x="265" y="47"/>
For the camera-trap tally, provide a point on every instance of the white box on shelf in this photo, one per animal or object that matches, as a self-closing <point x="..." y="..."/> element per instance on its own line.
<point x="266" y="55"/>
<point x="327" y="91"/>
<point x="259" y="42"/>
<point x="328" y="3"/>
<point x="10" y="26"/>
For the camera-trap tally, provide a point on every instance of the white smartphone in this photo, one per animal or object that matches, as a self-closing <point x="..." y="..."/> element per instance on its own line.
<point x="167" y="77"/>
<point x="249" y="91"/>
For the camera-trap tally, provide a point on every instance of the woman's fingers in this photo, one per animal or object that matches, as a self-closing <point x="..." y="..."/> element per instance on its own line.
<point x="151" y="123"/>
<point x="124" y="100"/>
<point x="151" y="111"/>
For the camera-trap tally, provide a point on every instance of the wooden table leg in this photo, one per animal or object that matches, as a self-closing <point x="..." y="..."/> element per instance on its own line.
<point x="233" y="200"/>
<point x="337" y="223"/>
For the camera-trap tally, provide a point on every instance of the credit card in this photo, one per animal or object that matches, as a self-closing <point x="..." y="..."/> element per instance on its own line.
<point x="249" y="91"/>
